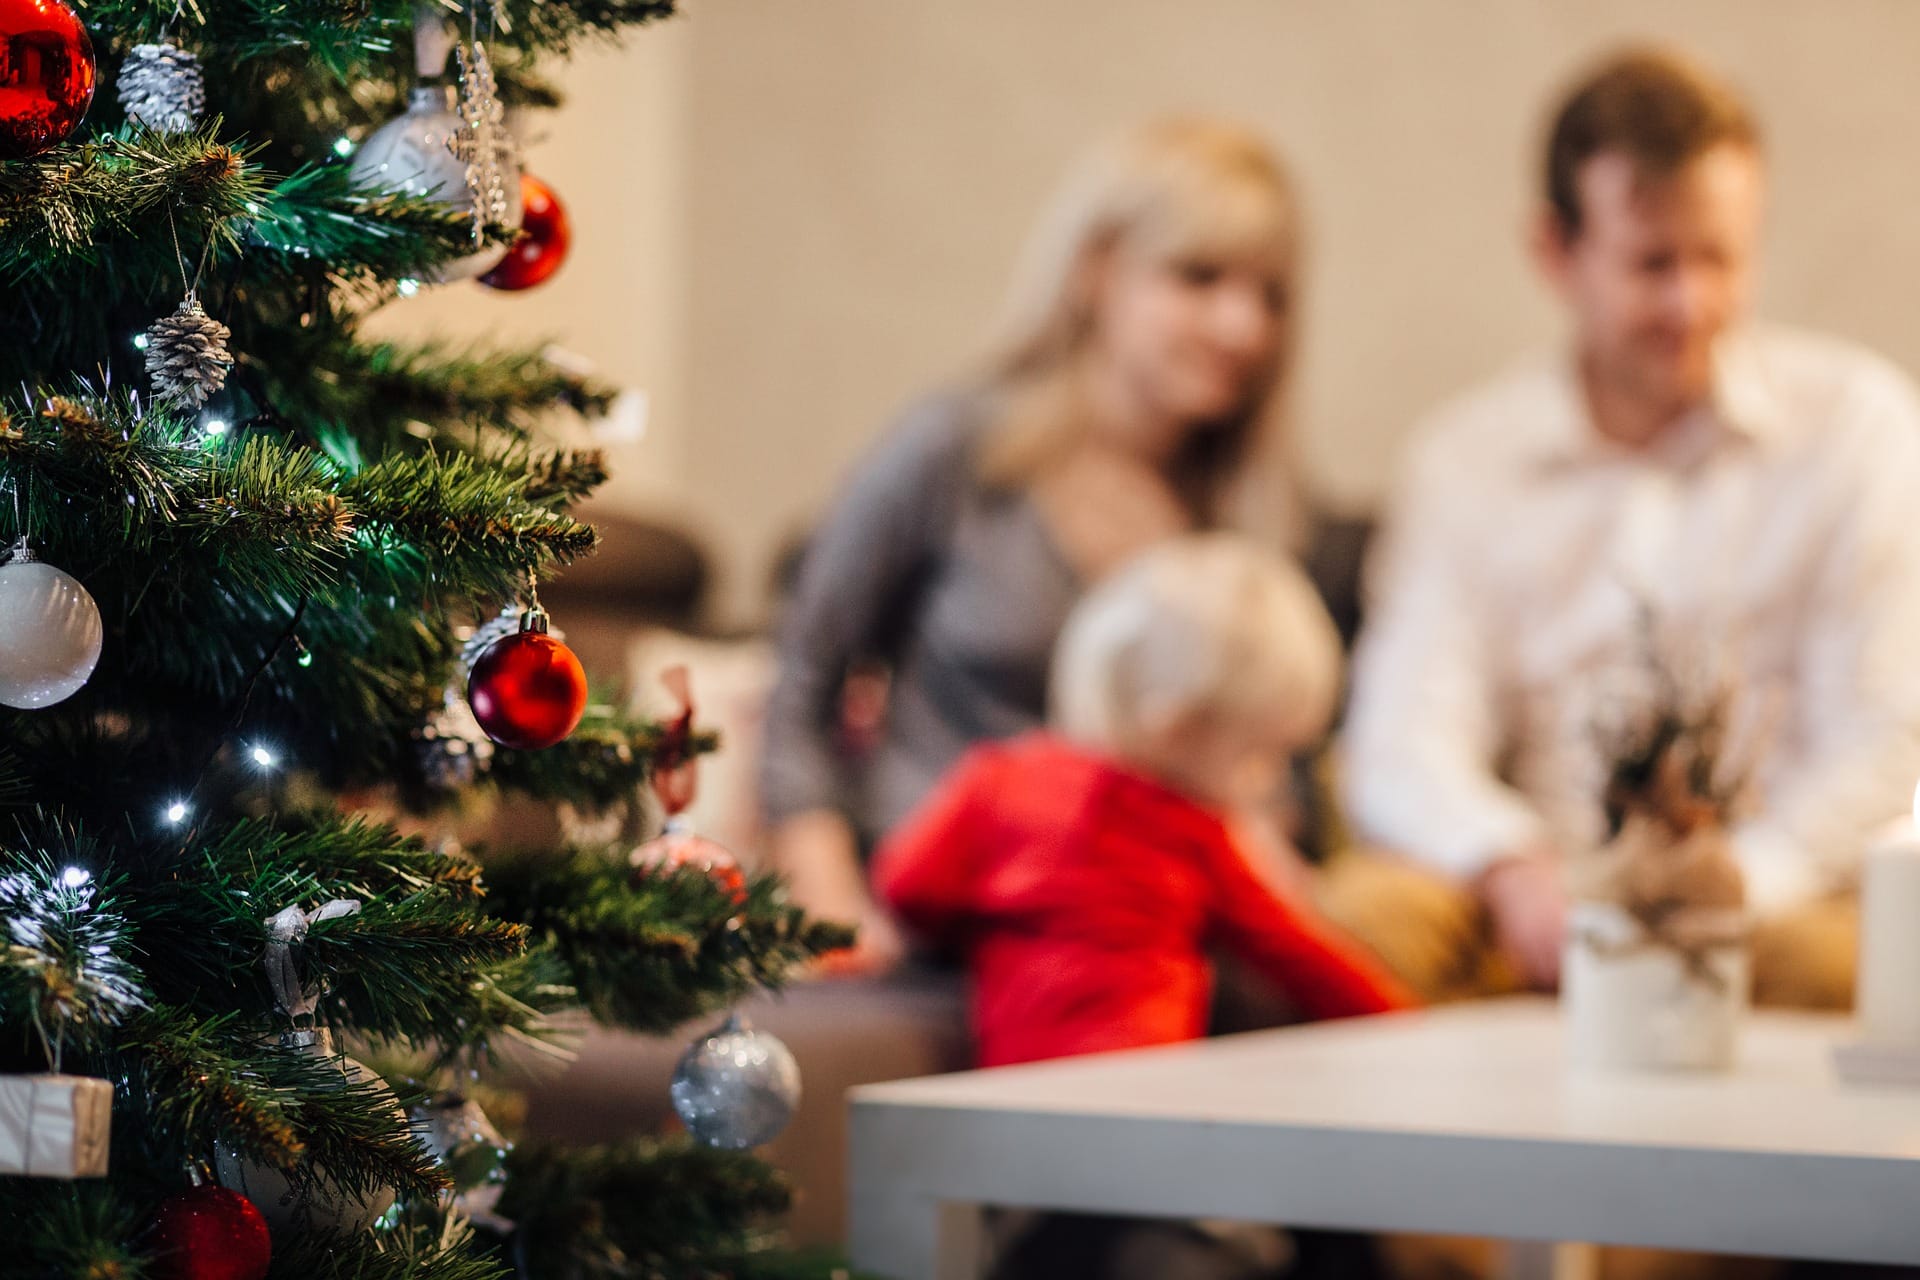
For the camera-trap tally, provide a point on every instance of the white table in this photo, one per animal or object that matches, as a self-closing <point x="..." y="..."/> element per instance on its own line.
<point x="1460" y="1121"/>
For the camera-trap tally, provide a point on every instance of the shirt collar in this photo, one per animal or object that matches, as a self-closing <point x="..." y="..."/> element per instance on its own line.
<point x="1743" y="405"/>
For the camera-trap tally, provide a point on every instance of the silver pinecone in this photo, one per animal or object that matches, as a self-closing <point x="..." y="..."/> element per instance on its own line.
<point x="187" y="355"/>
<point x="161" y="86"/>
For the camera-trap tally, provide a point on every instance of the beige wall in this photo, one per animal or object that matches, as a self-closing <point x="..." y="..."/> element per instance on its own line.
<point x="795" y="214"/>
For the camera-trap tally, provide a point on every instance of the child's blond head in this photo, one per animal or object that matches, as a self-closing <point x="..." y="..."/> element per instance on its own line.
<point x="1200" y="637"/>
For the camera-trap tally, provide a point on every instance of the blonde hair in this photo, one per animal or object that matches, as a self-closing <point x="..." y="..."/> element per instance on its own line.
<point x="1205" y="626"/>
<point x="1171" y="189"/>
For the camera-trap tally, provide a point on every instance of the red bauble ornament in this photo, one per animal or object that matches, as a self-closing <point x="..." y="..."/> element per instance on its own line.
<point x="210" y="1233"/>
<point x="680" y="846"/>
<point x="527" y="690"/>
<point x="46" y="75"/>
<point x="545" y="235"/>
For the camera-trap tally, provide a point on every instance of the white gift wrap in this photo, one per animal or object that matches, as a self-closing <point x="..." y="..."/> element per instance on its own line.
<point x="1634" y="1005"/>
<point x="54" y="1126"/>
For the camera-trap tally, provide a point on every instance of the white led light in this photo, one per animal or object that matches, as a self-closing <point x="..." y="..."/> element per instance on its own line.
<point x="216" y="426"/>
<point x="265" y="758"/>
<point x="139" y="342"/>
<point x="74" y="877"/>
<point x="176" y="812"/>
<point x="343" y="146"/>
<point x="407" y="288"/>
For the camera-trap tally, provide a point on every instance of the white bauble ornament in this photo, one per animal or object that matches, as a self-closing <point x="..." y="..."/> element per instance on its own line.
<point x="410" y="153"/>
<point x="324" y="1206"/>
<point x="50" y="632"/>
<point x="737" y="1087"/>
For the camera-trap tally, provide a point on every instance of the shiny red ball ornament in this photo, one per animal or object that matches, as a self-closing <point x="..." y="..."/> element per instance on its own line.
<point x="680" y="846"/>
<point x="46" y="75"/>
<point x="209" y="1233"/>
<point x="545" y="236"/>
<point x="527" y="690"/>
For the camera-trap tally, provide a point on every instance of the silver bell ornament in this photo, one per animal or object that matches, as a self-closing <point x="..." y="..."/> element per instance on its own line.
<point x="737" y="1087"/>
<point x="415" y="153"/>
<point x="50" y="632"/>
<point x="320" y="1205"/>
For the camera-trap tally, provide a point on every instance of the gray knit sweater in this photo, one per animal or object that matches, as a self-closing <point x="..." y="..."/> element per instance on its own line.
<point x="957" y="588"/>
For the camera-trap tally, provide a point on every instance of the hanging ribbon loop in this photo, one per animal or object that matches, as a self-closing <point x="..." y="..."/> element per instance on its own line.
<point x="285" y="931"/>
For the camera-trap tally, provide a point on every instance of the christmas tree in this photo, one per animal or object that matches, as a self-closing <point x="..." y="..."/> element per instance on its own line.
<point x="260" y="565"/>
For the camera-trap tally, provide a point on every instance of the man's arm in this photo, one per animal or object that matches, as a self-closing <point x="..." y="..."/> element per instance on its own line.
<point x="1848" y="758"/>
<point x="1423" y="731"/>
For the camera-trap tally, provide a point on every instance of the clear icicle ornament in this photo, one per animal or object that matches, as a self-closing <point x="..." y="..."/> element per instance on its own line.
<point x="187" y="356"/>
<point x="482" y="142"/>
<point x="161" y="86"/>
<point x="414" y="153"/>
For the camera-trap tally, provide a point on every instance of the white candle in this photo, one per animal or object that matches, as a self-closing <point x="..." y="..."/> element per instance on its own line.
<point x="1888" y="1000"/>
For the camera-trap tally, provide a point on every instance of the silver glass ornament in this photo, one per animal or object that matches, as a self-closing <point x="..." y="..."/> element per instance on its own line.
<point x="737" y="1087"/>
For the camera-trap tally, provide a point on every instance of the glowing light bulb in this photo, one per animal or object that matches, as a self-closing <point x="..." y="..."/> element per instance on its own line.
<point x="216" y="426"/>
<point x="407" y="288"/>
<point x="74" y="877"/>
<point x="176" y="812"/>
<point x="139" y="342"/>
<point x="343" y="146"/>
<point x="264" y="758"/>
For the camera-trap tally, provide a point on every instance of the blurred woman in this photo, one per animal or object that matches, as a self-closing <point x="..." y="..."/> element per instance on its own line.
<point x="1135" y="394"/>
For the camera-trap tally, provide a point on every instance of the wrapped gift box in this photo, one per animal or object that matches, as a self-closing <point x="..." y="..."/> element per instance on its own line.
<point x="54" y="1126"/>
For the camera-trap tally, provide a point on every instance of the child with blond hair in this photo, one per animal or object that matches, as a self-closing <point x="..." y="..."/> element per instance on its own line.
<point x="1083" y="871"/>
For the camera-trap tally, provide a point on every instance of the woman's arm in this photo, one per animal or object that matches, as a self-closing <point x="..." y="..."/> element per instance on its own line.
<point x="886" y="531"/>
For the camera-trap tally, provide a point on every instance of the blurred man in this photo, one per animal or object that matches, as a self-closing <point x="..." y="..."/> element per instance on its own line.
<point x="1741" y="492"/>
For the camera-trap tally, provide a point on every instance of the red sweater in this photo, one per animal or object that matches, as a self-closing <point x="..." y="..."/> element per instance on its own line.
<point x="1084" y="897"/>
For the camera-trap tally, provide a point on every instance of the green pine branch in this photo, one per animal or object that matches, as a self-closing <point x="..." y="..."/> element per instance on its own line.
<point x="669" y="1208"/>
<point x="68" y="968"/>
<point x="359" y="237"/>
<point x="404" y="1253"/>
<point x="603" y="763"/>
<point x="71" y="1230"/>
<point x="73" y="205"/>
<point x="345" y="37"/>
<point x="187" y="1075"/>
<point x="650" y="949"/>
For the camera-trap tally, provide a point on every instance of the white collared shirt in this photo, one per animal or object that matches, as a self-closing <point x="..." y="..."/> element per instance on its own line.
<point x="1770" y="543"/>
